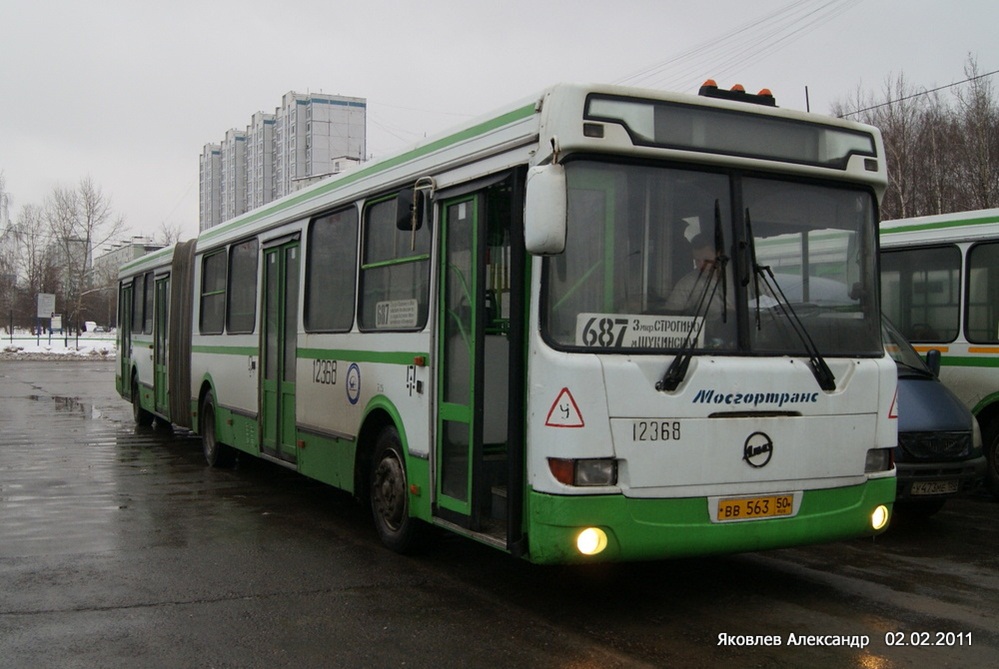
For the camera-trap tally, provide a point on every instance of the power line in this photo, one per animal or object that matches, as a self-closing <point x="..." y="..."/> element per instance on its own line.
<point x="743" y="45"/>
<point x="713" y="43"/>
<point x="919" y="94"/>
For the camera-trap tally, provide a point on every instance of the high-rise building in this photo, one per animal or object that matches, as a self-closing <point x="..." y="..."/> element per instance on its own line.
<point x="233" y="182"/>
<point x="312" y="132"/>
<point x="211" y="186"/>
<point x="259" y="160"/>
<point x="308" y="137"/>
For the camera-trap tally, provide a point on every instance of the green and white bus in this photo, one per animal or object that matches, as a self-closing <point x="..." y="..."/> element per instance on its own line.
<point x="940" y="285"/>
<point x="481" y="333"/>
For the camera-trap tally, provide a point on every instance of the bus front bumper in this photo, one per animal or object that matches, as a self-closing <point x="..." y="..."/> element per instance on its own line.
<point x="650" y="529"/>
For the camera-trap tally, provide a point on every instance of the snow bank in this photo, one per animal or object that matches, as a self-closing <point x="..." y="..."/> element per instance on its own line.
<point x="57" y="347"/>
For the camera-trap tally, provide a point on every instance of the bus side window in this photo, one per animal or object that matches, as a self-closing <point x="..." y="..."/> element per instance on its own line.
<point x="983" y="293"/>
<point x="395" y="271"/>
<point x="147" y="324"/>
<point x="926" y="285"/>
<point x="331" y="264"/>
<point x="213" y="285"/>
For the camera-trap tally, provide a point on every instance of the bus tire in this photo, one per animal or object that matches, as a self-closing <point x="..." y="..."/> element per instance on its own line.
<point x="389" y="493"/>
<point x="216" y="453"/>
<point x="142" y="417"/>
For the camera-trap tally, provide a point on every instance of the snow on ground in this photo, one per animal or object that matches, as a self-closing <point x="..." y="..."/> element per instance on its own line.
<point x="89" y="345"/>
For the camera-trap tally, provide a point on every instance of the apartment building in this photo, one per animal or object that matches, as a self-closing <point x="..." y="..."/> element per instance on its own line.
<point x="260" y="160"/>
<point x="308" y="137"/>
<point x="210" y="212"/>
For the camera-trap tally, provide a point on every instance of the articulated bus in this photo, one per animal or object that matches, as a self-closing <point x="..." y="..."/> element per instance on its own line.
<point x="503" y="331"/>
<point x="940" y="285"/>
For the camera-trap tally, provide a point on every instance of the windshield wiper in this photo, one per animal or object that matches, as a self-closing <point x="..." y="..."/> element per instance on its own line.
<point x="821" y="371"/>
<point x="677" y="369"/>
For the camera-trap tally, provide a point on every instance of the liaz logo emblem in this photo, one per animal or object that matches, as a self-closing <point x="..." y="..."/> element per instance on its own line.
<point x="758" y="450"/>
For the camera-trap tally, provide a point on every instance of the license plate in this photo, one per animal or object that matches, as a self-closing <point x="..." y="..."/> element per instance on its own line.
<point x="750" y="508"/>
<point x="933" y="487"/>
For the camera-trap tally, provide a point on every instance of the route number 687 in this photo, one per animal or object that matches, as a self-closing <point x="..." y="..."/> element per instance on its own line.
<point x="604" y="331"/>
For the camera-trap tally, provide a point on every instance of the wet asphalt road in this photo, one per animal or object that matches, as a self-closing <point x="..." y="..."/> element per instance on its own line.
<point x="118" y="548"/>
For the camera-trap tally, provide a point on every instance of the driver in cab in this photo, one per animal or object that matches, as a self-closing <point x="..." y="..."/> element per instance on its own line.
<point x="693" y="290"/>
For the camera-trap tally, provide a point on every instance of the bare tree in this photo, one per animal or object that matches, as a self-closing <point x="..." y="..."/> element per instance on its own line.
<point x="901" y="126"/>
<point x="935" y="159"/>
<point x="978" y="140"/>
<point x="33" y="264"/>
<point x="102" y="302"/>
<point x="8" y="273"/>
<point x="940" y="158"/>
<point x="4" y="201"/>
<point x="169" y="234"/>
<point x="80" y="220"/>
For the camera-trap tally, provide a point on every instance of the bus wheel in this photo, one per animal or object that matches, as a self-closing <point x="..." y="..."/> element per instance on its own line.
<point x="390" y="495"/>
<point x="142" y="417"/>
<point x="216" y="453"/>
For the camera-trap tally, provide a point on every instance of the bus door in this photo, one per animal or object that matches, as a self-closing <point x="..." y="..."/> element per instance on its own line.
<point x="161" y="306"/>
<point x="125" y="338"/>
<point x="473" y="350"/>
<point x="279" y="350"/>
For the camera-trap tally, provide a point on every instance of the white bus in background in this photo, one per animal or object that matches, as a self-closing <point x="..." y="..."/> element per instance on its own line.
<point x="940" y="286"/>
<point x="482" y="333"/>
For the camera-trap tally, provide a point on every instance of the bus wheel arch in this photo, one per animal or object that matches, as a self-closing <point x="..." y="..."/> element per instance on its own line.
<point x="374" y="423"/>
<point x="381" y="479"/>
<point x="216" y="453"/>
<point x="142" y="417"/>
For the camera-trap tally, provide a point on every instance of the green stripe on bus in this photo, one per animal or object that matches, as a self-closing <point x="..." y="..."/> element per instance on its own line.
<point x="149" y="257"/>
<point x="941" y="225"/>
<point x="356" y="175"/>
<point x="226" y="350"/>
<point x="969" y="361"/>
<point x="385" y="357"/>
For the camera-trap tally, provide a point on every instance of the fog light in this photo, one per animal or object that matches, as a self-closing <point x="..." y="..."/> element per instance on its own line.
<point x="591" y="541"/>
<point x="880" y="517"/>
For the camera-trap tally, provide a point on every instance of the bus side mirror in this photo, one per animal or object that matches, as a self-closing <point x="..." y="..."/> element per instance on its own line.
<point x="933" y="361"/>
<point x="409" y="209"/>
<point x="545" y="210"/>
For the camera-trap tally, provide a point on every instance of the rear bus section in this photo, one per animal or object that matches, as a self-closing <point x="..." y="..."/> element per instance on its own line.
<point x="154" y="335"/>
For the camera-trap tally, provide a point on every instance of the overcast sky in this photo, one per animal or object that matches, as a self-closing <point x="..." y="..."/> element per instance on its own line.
<point x="128" y="92"/>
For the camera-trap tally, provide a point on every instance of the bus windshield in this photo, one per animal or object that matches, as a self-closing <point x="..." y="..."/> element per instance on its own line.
<point x="663" y="259"/>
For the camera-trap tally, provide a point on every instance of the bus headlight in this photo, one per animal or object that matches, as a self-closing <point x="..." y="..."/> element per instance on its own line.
<point x="589" y="472"/>
<point x="880" y="517"/>
<point x="591" y="541"/>
<point x="878" y="460"/>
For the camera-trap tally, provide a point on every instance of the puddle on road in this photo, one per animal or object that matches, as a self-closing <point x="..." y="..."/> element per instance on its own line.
<point x="69" y="405"/>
